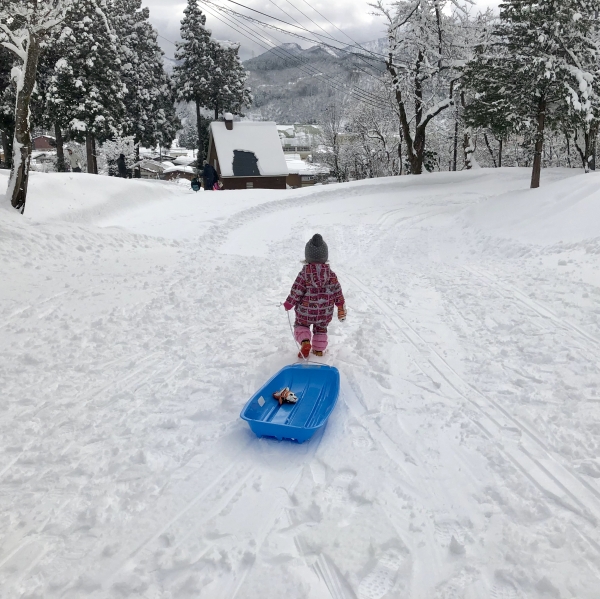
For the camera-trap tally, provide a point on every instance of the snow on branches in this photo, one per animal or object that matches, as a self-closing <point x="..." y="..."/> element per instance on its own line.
<point x="428" y="44"/>
<point x="23" y="26"/>
<point x="540" y="71"/>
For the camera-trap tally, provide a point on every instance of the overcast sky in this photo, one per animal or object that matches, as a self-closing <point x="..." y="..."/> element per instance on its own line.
<point x="352" y="17"/>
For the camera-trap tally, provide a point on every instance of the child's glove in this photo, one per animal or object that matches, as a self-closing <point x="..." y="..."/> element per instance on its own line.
<point x="342" y="313"/>
<point x="287" y="306"/>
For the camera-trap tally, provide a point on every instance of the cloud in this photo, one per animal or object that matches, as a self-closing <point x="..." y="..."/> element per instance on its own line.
<point x="353" y="17"/>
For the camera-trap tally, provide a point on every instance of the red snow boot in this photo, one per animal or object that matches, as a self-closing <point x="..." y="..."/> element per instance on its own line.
<point x="304" y="349"/>
<point x="317" y="352"/>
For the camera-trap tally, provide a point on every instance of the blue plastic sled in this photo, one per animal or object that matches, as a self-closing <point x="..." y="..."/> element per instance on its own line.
<point x="317" y="387"/>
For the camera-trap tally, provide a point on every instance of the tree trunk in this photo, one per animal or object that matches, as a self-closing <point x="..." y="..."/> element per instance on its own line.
<point x="468" y="147"/>
<point x="19" y="175"/>
<point x="416" y="157"/>
<point x="216" y="113"/>
<point x="61" y="167"/>
<point x="94" y="155"/>
<point x="539" y="144"/>
<point x="137" y="173"/>
<point x="500" y="146"/>
<point x="487" y="143"/>
<point x="590" y="150"/>
<point x="200" y="158"/>
<point x="455" y="148"/>
<point x="6" y="149"/>
<point x="400" y="166"/>
<point x="89" y="151"/>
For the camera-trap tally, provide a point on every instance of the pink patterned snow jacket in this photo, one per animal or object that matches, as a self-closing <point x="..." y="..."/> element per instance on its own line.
<point x="314" y="293"/>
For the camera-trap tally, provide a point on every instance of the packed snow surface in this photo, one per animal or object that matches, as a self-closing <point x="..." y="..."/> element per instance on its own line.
<point x="461" y="460"/>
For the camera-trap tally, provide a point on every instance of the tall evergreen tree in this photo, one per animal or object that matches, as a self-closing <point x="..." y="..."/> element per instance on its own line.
<point x="7" y="104"/>
<point x="227" y="91"/>
<point x="193" y="74"/>
<point x="149" y="100"/>
<point x="86" y="90"/>
<point x="541" y="67"/>
<point x="50" y="55"/>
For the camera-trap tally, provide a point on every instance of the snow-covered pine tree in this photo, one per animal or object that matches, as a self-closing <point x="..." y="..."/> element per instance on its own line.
<point x="149" y="101"/>
<point x="87" y="92"/>
<point x="49" y="56"/>
<point x="193" y="73"/>
<point x="227" y="91"/>
<point x="188" y="136"/>
<point x="424" y="64"/>
<point x="541" y="66"/>
<point x="23" y="26"/>
<point x="7" y="104"/>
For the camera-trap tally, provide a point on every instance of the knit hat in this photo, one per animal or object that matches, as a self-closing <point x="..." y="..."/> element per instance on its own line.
<point x="316" y="250"/>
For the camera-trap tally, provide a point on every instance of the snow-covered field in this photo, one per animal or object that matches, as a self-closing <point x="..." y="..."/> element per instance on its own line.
<point x="461" y="461"/>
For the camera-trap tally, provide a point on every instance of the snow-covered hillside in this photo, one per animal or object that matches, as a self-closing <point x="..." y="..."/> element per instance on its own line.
<point x="461" y="461"/>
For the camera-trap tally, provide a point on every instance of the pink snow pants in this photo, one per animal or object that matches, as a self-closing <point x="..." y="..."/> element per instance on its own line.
<point x="319" y="336"/>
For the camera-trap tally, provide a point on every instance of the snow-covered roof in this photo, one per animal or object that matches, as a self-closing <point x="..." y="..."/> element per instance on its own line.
<point x="257" y="137"/>
<point x="180" y="169"/>
<point x="297" y="166"/>
<point x="151" y="165"/>
<point x="185" y="160"/>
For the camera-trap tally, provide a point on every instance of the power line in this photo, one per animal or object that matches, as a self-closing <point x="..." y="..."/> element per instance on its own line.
<point x="301" y="27"/>
<point x="324" y="17"/>
<point x="166" y="40"/>
<point x="358" y="55"/>
<point x="282" y="53"/>
<point x="234" y="13"/>
<point x="325" y="31"/>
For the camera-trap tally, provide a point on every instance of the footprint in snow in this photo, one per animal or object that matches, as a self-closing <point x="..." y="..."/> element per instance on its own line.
<point x="337" y="493"/>
<point x="380" y="580"/>
<point x="362" y="442"/>
<point x="502" y="590"/>
<point x="451" y="534"/>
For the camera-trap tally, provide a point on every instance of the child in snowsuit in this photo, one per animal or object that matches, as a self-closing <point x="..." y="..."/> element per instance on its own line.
<point x="315" y="293"/>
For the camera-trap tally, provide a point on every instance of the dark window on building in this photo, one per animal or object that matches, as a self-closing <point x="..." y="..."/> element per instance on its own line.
<point x="245" y="164"/>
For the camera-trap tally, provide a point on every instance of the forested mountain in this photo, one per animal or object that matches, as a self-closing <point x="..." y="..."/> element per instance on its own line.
<point x="292" y="84"/>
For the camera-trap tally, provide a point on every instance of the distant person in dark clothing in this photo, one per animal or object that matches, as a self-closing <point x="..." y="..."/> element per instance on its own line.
<point x="210" y="176"/>
<point x="122" y="166"/>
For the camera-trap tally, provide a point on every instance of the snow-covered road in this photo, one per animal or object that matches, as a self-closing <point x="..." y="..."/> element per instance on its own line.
<point x="462" y="458"/>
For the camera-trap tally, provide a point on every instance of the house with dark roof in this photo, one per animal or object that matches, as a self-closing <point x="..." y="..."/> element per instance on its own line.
<point x="44" y="142"/>
<point x="247" y="154"/>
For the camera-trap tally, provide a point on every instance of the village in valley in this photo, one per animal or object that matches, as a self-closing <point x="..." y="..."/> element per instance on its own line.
<point x="295" y="145"/>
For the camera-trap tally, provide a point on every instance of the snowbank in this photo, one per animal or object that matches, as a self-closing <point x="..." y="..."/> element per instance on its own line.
<point x="460" y="461"/>
<point x="565" y="211"/>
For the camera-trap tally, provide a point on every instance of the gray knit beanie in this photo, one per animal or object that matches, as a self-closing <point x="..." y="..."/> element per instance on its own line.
<point x="316" y="250"/>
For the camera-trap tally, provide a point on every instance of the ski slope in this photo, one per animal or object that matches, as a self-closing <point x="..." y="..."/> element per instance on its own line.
<point x="461" y="461"/>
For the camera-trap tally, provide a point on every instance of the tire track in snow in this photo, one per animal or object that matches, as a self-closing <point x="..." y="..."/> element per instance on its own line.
<point x="236" y="484"/>
<point x="564" y="325"/>
<point x="550" y="476"/>
<point x="515" y="293"/>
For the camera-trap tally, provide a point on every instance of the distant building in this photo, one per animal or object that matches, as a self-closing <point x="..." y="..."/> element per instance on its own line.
<point x="304" y="174"/>
<point x="179" y="171"/>
<point x="151" y="169"/>
<point x="298" y="139"/>
<point x="44" y="143"/>
<point x="247" y="154"/>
